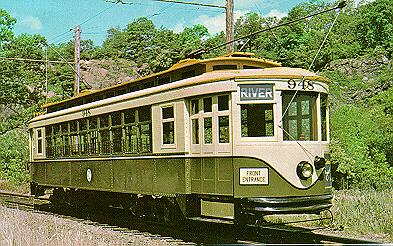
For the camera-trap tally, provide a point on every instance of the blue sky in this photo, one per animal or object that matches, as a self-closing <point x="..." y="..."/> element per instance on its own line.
<point x="55" y="18"/>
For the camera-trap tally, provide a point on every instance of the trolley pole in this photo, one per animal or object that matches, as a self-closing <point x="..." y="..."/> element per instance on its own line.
<point x="230" y="28"/>
<point x="77" y="61"/>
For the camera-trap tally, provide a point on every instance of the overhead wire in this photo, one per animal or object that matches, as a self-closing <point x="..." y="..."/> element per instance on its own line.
<point x="162" y="10"/>
<point x="83" y="22"/>
<point x="31" y="60"/>
<point x="172" y="1"/>
<point x="201" y="51"/>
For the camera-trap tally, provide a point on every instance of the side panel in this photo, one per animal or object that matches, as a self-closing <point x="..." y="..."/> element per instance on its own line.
<point x="161" y="176"/>
<point x="100" y="174"/>
<point x="59" y="174"/>
<point x="212" y="176"/>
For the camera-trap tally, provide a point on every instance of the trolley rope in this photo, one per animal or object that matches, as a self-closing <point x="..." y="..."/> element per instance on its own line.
<point x="296" y="92"/>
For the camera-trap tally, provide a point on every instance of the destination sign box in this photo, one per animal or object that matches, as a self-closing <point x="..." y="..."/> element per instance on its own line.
<point x="254" y="176"/>
<point x="256" y="92"/>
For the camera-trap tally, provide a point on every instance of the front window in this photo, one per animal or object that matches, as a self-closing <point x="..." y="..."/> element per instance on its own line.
<point x="300" y="117"/>
<point x="257" y="120"/>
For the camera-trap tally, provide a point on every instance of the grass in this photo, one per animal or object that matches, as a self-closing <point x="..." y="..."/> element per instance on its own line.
<point x="19" y="227"/>
<point x="7" y="185"/>
<point x="367" y="213"/>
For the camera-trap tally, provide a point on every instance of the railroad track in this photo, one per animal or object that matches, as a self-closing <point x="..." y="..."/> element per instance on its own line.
<point x="43" y="206"/>
<point x="185" y="233"/>
<point x="19" y="200"/>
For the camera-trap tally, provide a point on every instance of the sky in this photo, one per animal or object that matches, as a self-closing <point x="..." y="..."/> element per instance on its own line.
<point x="56" y="19"/>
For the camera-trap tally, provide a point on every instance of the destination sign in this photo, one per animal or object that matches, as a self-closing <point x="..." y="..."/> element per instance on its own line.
<point x="254" y="176"/>
<point x="256" y="92"/>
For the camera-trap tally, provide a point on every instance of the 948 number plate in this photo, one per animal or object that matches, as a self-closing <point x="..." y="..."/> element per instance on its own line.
<point x="300" y="85"/>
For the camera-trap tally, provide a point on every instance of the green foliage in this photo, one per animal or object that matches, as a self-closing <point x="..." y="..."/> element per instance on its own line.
<point x="360" y="130"/>
<point x="14" y="156"/>
<point x="374" y="26"/>
<point x="144" y="44"/>
<point x="359" y="153"/>
<point x="7" y="23"/>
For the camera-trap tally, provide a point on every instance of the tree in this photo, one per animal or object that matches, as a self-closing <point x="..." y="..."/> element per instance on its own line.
<point x="374" y="26"/>
<point x="22" y="83"/>
<point x="7" y="23"/>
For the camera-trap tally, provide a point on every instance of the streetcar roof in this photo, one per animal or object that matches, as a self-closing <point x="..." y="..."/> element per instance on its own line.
<point x="231" y="57"/>
<point x="272" y="70"/>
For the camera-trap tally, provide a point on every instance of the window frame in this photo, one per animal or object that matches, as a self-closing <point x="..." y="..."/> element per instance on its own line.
<point x="168" y="120"/>
<point x="40" y="138"/>
<point x="214" y="114"/>
<point x="313" y="115"/>
<point x="324" y="119"/>
<point x="273" y="138"/>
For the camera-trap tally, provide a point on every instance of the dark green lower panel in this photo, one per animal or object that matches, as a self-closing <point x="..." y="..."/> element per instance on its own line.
<point x="168" y="176"/>
<point x="140" y="176"/>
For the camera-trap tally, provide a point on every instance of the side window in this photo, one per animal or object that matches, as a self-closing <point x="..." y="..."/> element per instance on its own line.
<point x="144" y="123"/>
<point x="131" y="131"/>
<point x="93" y="144"/>
<point x="163" y="80"/>
<point x="168" y="125"/>
<point x="105" y="145"/>
<point x="250" y="67"/>
<point x="194" y="115"/>
<point x="74" y="137"/>
<point x="257" y="120"/>
<point x="65" y="133"/>
<point x="223" y="119"/>
<point x="49" y="141"/>
<point x="116" y="128"/>
<point x="137" y="130"/>
<point x="57" y="140"/>
<point x="207" y="120"/>
<point x="39" y="142"/>
<point x="188" y="74"/>
<point x="225" y="67"/>
<point x="324" y="113"/>
<point x="83" y="135"/>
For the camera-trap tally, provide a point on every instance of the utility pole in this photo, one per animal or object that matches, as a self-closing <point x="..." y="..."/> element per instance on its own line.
<point x="230" y="28"/>
<point x="77" y="60"/>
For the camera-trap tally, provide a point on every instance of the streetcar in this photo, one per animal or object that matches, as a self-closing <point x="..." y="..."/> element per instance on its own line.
<point x="233" y="138"/>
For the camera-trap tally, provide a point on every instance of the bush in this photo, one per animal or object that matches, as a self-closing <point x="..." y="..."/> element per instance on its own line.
<point x="359" y="149"/>
<point x="14" y="156"/>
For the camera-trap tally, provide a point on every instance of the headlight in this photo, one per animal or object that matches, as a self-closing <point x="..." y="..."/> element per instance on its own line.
<point x="304" y="170"/>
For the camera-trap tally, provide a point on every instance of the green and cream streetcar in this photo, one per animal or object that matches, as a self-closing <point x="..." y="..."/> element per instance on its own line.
<point x="233" y="137"/>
